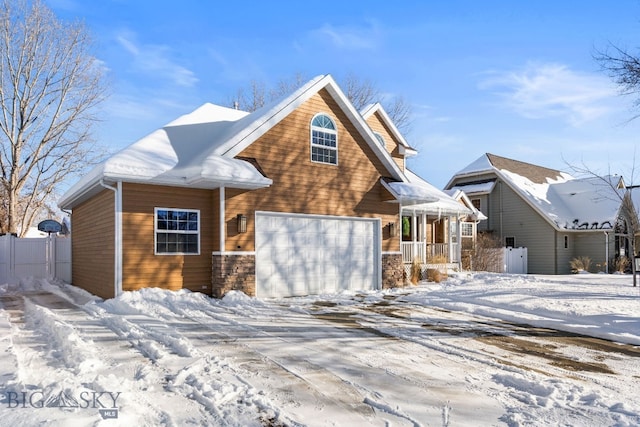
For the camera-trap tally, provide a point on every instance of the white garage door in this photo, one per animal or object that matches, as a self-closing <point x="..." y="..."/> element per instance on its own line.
<point x="304" y="255"/>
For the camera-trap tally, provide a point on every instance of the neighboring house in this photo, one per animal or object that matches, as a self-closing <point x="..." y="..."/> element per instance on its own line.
<point x="298" y="197"/>
<point x="555" y="216"/>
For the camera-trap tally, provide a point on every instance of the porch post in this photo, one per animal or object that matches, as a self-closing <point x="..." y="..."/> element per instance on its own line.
<point x="414" y="234"/>
<point x="424" y="237"/>
<point x="459" y="243"/>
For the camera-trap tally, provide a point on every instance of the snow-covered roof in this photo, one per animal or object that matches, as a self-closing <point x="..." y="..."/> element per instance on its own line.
<point x="476" y="188"/>
<point x="572" y="203"/>
<point x="439" y="202"/>
<point x="566" y="202"/>
<point x="198" y="149"/>
<point x="461" y="196"/>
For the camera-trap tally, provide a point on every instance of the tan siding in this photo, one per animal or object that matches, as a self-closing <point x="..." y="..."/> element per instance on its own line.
<point x="93" y="245"/>
<point x="376" y="123"/>
<point x="141" y="267"/>
<point x="352" y="188"/>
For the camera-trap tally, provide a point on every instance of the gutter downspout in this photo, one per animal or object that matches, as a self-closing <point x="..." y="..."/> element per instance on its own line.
<point x="606" y="252"/>
<point x="117" y="276"/>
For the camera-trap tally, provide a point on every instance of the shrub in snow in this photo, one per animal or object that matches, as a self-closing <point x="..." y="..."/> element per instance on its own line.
<point x="580" y="264"/>
<point x="621" y="264"/>
<point x="416" y="271"/>
<point x="487" y="255"/>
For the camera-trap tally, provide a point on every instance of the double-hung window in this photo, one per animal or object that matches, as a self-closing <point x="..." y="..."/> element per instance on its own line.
<point x="177" y="231"/>
<point x="466" y="229"/>
<point x="324" y="140"/>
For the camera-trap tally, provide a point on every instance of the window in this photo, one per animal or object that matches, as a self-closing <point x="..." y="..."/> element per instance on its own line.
<point x="380" y="139"/>
<point x="566" y="242"/>
<point x="476" y="203"/>
<point x="510" y="242"/>
<point x="177" y="231"/>
<point x="324" y="140"/>
<point x="467" y="229"/>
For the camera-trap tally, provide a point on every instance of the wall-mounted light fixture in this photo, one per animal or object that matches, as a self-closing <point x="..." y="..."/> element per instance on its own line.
<point x="393" y="229"/>
<point x="242" y="223"/>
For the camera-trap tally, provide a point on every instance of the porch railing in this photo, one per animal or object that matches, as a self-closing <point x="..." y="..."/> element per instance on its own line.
<point x="424" y="252"/>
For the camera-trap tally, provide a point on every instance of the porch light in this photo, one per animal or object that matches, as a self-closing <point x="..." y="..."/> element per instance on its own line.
<point x="242" y="223"/>
<point x="393" y="229"/>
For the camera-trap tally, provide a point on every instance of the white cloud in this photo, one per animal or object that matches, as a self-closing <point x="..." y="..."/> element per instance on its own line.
<point x="349" y="37"/>
<point x="554" y="90"/>
<point x="156" y="60"/>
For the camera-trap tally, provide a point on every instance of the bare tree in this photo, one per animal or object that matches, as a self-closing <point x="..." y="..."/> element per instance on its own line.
<point x="623" y="68"/>
<point x="627" y="215"/>
<point x="360" y="92"/>
<point x="49" y="88"/>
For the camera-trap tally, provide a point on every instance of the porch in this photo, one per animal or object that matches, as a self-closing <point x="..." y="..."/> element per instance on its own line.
<point x="430" y="240"/>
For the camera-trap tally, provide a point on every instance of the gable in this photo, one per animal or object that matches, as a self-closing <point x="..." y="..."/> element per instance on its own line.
<point x="378" y="125"/>
<point x="261" y="121"/>
<point x="284" y="152"/>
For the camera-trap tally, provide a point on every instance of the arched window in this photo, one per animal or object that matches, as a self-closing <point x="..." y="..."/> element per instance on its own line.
<point x="324" y="140"/>
<point x="380" y="139"/>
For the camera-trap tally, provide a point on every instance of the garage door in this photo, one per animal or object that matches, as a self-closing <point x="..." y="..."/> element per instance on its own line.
<point x="304" y="255"/>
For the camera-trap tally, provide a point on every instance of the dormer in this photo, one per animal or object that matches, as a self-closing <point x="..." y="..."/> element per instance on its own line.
<point x="387" y="134"/>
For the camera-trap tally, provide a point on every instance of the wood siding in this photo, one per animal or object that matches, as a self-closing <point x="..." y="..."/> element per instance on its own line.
<point x="376" y="123"/>
<point x="351" y="188"/>
<point x="92" y="245"/>
<point x="141" y="267"/>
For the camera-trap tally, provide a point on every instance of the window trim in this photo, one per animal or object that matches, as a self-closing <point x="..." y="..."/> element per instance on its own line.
<point x="469" y="227"/>
<point x="325" y="147"/>
<point x="190" y="232"/>
<point x="380" y="139"/>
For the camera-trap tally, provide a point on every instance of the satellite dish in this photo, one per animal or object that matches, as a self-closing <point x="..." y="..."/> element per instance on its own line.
<point x="49" y="226"/>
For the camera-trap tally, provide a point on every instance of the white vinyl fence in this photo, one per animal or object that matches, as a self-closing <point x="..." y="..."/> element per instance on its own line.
<point x="509" y="260"/>
<point x="45" y="258"/>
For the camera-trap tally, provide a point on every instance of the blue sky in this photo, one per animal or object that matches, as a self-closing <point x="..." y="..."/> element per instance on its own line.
<point x="512" y="78"/>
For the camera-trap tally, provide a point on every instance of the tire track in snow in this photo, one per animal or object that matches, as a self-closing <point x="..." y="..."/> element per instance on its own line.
<point x="277" y="376"/>
<point x="528" y="377"/>
<point x="60" y="357"/>
<point x="189" y="370"/>
<point x="348" y="362"/>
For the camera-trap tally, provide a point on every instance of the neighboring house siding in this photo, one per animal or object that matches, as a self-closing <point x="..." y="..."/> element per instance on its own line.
<point x="593" y="245"/>
<point x="93" y="245"/>
<point x="565" y="255"/>
<point x="484" y="208"/>
<point x="350" y="188"/>
<point x="513" y="217"/>
<point x="141" y="267"/>
<point x="376" y="123"/>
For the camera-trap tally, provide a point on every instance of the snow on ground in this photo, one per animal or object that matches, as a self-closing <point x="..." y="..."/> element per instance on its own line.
<point x="476" y="349"/>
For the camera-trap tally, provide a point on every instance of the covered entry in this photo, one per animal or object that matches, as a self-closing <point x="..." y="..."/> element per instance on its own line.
<point x="308" y="254"/>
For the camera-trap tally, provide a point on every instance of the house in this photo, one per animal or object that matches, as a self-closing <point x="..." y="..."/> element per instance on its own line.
<point x="299" y="197"/>
<point x="556" y="216"/>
